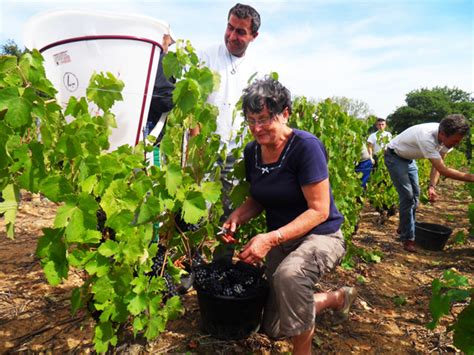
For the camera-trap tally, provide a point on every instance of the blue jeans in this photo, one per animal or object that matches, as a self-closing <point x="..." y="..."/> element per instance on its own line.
<point x="404" y="174"/>
<point x="364" y="167"/>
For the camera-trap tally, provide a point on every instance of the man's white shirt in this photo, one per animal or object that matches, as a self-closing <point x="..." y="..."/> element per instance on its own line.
<point x="419" y="141"/>
<point x="235" y="73"/>
<point x="376" y="139"/>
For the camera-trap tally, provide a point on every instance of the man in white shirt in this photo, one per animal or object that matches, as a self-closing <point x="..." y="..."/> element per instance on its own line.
<point x="235" y="67"/>
<point x="429" y="141"/>
<point x="376" y="141"/>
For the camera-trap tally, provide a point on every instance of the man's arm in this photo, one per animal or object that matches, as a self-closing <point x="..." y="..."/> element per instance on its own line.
<point x="440" y="168"/>
<point x="370" y="150"/>
<point x="371" y="140"/>
<point x="434" y="177"/>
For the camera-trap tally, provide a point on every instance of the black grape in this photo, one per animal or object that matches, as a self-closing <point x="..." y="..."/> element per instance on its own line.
<point x="227" y="279"/>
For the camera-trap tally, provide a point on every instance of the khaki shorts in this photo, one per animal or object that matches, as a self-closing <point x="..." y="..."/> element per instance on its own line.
<point x="292" y="274"/>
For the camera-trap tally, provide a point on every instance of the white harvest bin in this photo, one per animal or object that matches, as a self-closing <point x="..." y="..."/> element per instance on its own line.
<point x="77" y="43"/>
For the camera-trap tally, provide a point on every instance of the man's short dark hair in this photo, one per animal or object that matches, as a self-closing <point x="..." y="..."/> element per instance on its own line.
<point x="454" y="124"/>
<point x="266" y="92"/>
<point x="245" y="11"/>
<point x="381" y="119"/>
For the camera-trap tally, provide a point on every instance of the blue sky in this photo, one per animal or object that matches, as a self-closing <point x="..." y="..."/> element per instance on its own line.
<point x="373" y="50"/>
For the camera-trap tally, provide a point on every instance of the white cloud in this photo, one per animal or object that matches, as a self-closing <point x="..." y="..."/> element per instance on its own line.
<point x="378" y="42"/>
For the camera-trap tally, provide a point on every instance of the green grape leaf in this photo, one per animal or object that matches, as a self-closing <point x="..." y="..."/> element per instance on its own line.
<point x="148" y="210"/>
<point x="103" y="289"/>
<point x="56" y="188"/>
<point x="7" y="63"/>
<point x="453" y="279"/>
<point x="79" y="257"/>
<point x="120" y="313"/>
<point x="186" y="95"/>
<point x="89" y="184"/>
<point x="52" y="252"/>
<point x="103" y="336"/>
<point x="209" y="81"/>
<point x="167" y="145"/>
<point x="211" y="191"/>
<point x="174" y="308"/>
<point x="124" y="278"/>
<point x="107" y="312"/>
<point x="76" y="107"/>
<point x="19" y="112"/>
<point x="76" y="229"/>
<point x="239" y="193"/>
<point x="54" y="272"/>
<point x="138" y="303"/>
<point x="439" y="306"/>
<point x="9" y="208"/>
<point x="464" y="329"/>
<point x="109" y="248"/>
<point x="139" y="323"/>
<point x="156" y="305"/>
<point x="174" y="178"/>
<point x="76" y="300"/>
<point x="99" y="265"/>
<point x="457" y="295"/>
<point x="171" y="66"/>
<point x="194" y="207"/>
<point x="63" y="215"/>
<point x="133" y="250"/>
<point x="104" y="90"/>
<point x="139" y="284"/>
<point x="156" y="325"/>
<point x="118" y="197"/>
<point x="120" y="221"/>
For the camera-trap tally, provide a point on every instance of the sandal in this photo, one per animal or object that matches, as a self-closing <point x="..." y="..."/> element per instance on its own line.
<point x="350" y="294"/>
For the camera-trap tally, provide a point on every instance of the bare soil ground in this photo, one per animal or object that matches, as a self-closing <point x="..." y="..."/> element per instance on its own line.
<point x="35" y="317"/>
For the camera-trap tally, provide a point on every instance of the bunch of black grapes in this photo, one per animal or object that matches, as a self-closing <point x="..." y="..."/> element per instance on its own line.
<point x="185" y="227"/>
<point x="156" y="270"/>
<point x="107" y="233"/>
<point x="223" y="278"/>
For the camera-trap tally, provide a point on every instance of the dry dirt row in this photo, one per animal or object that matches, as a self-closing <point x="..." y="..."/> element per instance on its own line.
<point x="35" y="316"/>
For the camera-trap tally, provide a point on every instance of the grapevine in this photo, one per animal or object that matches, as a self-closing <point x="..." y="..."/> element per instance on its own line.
<point x="109" y="201"/>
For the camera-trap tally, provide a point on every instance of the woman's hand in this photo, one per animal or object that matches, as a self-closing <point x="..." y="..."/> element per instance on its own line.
<point x="229" y="227"/>
<point x="249" y="209"/>
<point x="258" y="247"/>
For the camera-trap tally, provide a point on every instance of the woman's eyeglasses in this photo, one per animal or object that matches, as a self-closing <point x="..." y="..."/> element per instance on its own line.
<point x="263" y="122"/>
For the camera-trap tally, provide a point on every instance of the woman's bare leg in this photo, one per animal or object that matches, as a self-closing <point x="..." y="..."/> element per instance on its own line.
<point x="302" y="343"/>
<point x="333" y="300"/>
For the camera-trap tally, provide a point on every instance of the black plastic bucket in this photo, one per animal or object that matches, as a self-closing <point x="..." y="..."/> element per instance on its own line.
<point x="231" y="317"/>
<point x="432" y="236"/>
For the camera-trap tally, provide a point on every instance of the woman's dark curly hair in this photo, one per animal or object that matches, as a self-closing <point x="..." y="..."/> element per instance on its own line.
<point x="266" y="92"/>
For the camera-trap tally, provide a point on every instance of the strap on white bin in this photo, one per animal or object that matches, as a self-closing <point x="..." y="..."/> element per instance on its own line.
<point x="155" y="132"/>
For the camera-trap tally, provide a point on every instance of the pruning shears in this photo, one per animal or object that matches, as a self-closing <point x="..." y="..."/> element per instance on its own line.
<point x="227" y="235"/>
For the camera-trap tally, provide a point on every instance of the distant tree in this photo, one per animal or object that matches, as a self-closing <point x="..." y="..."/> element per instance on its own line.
<point x="353" y="107"/>
<point x="432" y="105"/>
<point x="11" y="48"/>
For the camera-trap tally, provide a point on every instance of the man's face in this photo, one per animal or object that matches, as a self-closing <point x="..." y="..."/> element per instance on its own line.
<point x="381" y="125"/>
<point x="238" y="35"/>
<point x="450" y="141"/>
